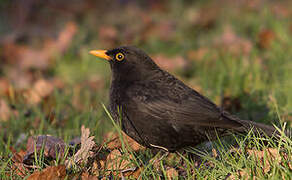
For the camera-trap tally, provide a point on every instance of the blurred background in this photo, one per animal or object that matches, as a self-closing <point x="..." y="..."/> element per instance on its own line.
<point x="237" y="53"/>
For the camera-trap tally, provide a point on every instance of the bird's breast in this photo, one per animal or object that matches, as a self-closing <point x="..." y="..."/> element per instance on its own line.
<point x="118" y="97"/>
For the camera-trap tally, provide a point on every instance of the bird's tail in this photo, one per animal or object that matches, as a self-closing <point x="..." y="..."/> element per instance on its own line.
<point x="263" y="129"/>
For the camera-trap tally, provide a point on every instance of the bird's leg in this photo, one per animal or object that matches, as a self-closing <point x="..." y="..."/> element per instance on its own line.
<point x="161" y="149"/>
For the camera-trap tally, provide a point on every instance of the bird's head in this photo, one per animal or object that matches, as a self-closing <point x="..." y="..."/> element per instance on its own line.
<point x="127" y="62"/>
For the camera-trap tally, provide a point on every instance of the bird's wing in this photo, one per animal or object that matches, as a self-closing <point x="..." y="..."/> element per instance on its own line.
<point x="190" y="109"/>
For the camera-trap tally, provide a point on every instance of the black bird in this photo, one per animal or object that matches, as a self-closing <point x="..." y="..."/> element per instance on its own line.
<point x="158" y="110"/>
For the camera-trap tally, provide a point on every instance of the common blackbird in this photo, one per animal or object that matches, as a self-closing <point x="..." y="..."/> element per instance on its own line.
<point x="158" y="110"/>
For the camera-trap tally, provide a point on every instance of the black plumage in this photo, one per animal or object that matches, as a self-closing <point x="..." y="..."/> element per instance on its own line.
<point x="157" y="109"/>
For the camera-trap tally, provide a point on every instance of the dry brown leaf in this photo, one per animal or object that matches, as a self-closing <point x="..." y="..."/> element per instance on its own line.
<point x="265" y="38"/>
<point x="214" y="153"/>
<point x="96" y="166"/>
<point x="199" y="54"/>
<point x="84" y="152"/>
<point x="232" y="43"/>
<point x="20" y="79"/>
<point x="87" y="176"/>
<point x="245" y="175"/>
<point x="5" y="111"/>
<point x="27" y="57"/>
<point x="102" y="164"/>
<point x="242" y="174"/>
<point x="17" y="156"/>
<point x="171" y="173"/>
<point x="207" y="16"/>
<point x="18" y="167"/>
<point x="116" y="162"/>
<point x="156" y="164"/>
<point x="168" y="63"/>
<point x="65" y="37"/>
<point x="282" y="9"/>
<point x="51" y="145"/>
<point x="4" y="87"/>
<point x="41" y="89"/>
<point x="290" y="165"/>
<point x="49" y="173"/>
<point x="269" y="154"/>
<point x="114" y="142"/>
<point x="133" y="173"/>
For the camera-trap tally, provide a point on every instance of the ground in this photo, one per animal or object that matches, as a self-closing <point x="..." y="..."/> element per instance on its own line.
<point x="236" y="53"/>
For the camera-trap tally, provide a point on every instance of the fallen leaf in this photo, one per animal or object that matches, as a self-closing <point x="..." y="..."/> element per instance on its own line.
<point x="19" y="169"/>
<point x="245" y="175"/>
<point x="199" y="54"/>
<point x="282" y="10"/>
<point x="87" y="176"/>
<point x="65" y="38"/>
<point x="20" y="79"/>
<point x="4" y="87"/>
<point x="214" y="153"/>
<point x="132" y="172"/>
<point x="155" y="163"/>
<point x="26" y="57"/>
<point x="52" y="146"/>
<point x="265" y="157"/>
<point x="265" y="38"/>
<point x="96" y="166"/>
<point x="171" y="173"/>
<point x="290" y="165"/>
<point x="230" y="42"/>
<point x="41" y="89"/>
<point x="207" y="16"/>
<point x="168" y="63"/>
<point x="116" y="162"/>
<point x="5" y="111"/>
<point x="49" y="173"/>
<point x="17" y="165"/>
<point x="242" y="174"/>
<point x="87" y="144"/>
<point x="114" y="142"/>
<point x="17" y="156"/>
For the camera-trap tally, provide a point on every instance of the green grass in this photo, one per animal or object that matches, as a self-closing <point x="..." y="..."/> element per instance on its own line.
<point x="261" y="79"/>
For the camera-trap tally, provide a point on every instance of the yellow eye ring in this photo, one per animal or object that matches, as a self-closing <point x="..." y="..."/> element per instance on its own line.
<point x="120" y="56"/>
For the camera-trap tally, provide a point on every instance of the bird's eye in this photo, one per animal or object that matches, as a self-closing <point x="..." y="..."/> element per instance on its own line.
<point x="120" y="56"/>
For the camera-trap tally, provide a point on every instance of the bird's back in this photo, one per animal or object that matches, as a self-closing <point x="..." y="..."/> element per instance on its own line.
<point x="161" y="110"/>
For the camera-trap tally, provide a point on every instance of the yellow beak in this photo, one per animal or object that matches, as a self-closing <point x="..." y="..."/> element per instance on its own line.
<point x="101" y="54"/>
